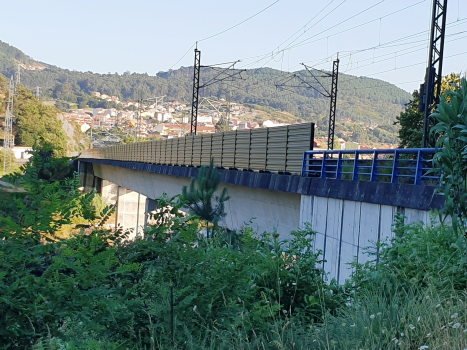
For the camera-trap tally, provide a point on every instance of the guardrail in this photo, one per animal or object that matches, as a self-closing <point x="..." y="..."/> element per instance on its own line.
<point x="278" y="149"/>
<point x="395" y="166"/>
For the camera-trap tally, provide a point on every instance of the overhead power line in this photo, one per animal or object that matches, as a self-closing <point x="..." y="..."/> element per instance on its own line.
<point x="256" y="14"/>
<point x="212" y="36"/>
<point x="301" y="43"/>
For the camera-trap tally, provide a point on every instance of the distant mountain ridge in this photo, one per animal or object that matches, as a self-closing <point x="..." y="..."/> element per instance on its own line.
<point x="360" y="99"/>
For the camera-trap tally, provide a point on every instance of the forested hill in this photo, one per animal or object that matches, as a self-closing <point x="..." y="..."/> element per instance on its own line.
<point x="359" y="98"/>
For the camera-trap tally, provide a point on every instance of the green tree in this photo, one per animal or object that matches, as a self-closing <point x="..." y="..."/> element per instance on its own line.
<point x="411" y="120"/>
<point x="222" y="125"/>
<point x="50" y="198"/>
<point x="200" y="197"/>
<point x="37" y="123"/>
<point x="451" y="152"/>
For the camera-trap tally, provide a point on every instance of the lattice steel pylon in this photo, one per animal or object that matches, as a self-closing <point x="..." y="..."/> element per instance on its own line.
<point x="216" y="79"/>
<point x="195" y="99"/>
<point x="432" y="85"/>
<point x="323" y="91"/>
<point x="333" y="104"/>
<point x="8" y="138"/>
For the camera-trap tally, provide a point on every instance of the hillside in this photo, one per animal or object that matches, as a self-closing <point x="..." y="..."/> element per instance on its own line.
<point x="360" y="104"/>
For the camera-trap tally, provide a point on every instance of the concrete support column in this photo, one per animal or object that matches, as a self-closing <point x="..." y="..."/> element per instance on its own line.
<point x="86" y="175"/>
<point x="131" y="209"/>
<point x="109" y="192"/>
<point x="151" y="205"/>
<point x="98" y="184"/>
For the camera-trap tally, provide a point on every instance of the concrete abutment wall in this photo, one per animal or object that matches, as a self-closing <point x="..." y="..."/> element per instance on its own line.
<point x="344" y="228"/>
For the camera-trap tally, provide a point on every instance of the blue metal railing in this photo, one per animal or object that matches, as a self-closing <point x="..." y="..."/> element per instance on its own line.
<point x="412" y="166"/>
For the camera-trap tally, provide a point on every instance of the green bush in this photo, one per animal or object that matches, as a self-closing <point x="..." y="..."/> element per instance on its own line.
<point x="419" y="255"/>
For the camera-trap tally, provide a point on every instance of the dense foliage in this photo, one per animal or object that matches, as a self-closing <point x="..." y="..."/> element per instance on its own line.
<point x="451" y="145"/>
<point x="97" y="286"/>
<point x="411" y="119"/>
<point x="176" y="289"/>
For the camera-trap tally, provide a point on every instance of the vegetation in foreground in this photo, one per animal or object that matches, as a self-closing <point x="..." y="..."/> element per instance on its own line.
<point x="176" y="288"/>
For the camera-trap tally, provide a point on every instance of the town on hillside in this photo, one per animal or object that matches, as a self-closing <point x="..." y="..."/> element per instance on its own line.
<point x="161" y="119"/>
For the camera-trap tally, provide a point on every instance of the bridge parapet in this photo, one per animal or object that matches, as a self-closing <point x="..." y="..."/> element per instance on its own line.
<point x="278" y="149"/>
<point x="408" y="166"/>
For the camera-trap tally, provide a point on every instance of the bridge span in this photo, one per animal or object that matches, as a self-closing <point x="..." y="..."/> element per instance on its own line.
<point x="349" y="197"/>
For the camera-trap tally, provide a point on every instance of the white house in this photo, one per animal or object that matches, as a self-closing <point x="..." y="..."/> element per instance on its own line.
<point x="21" y="152"/>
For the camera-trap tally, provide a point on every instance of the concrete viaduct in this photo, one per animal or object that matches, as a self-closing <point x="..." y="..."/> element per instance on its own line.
<point x="350" y="198"/>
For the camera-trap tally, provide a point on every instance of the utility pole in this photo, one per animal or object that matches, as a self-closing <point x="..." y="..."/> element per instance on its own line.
<point x="229" y="106"/>
<point x="195" y="99"/>
<point x="18" y="75"/>
<point x="333" y="104"/>
<point x="216" y="79"/>
<point x="8" y="138"/>
<point x="138" y="119"/>
<point x="323" y="91"/>
<point x="430" y="91"/>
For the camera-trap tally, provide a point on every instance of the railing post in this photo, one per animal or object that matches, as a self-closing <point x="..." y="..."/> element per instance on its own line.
<point x="418" y="171"/>
<point x="201" y="151"/>
<point x="222" y="150"/>
<point x="323" y="165"/>
<point x="192" y="148"/>
<point x="210" y="149"/>
<point x="286" y="148"/>
<point x="355" y="167"/>
<point x="235" y="150"/>
<point x="395" y="168"/>
<point x="249" y="151"/>
<point x="266" y="154"/>
<point x="339" y="167"/>
<point x="374" y="167"/>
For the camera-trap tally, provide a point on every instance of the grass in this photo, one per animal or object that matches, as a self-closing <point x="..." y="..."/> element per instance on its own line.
<point x="420" y="320"/>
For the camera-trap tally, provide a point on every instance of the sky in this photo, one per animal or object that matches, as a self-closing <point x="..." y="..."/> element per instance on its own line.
<point x="382" y="39"/>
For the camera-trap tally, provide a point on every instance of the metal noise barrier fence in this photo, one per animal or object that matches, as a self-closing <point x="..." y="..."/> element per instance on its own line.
<point x="271" y="149"/>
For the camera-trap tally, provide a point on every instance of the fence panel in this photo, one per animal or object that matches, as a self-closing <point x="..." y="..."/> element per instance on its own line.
<point x="216" y="148"/>
<point x="206" y="153"/>
<point x="189" y="151"/>
<point x="228" y="149"/>
<point x="242" y="154"/>
<point x="197" y="144"/>
<point x="277" y="141"/>
<point x="300" y="139"/>
<point x="259" y="139"/>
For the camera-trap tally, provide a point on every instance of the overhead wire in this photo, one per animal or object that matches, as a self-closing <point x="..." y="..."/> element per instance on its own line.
<point x="423" y="47"/>
<point x="256" y="14"/>
<point x="396" y="42"/>
<point x="343" y="31"/>
<point x="304" y="42"/>
<point x="385" y="45"/>
<point x="334" y="9"/>
<point x="226" y="30"/>
<point x="403" y="67"/>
